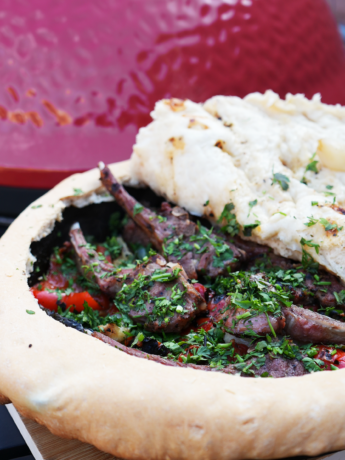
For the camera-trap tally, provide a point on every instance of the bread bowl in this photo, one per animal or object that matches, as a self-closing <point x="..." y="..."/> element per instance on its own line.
<point x="81" y="388"/>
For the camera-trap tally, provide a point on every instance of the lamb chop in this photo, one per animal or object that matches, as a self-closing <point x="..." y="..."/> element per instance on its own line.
<point x="174" y="235"/>
<point x="300" y="323"/>
<point x="155" y="294"/>
<point x="308" y="326"/>
<point x="239" y="321"/>
<point x="322" y="288"/>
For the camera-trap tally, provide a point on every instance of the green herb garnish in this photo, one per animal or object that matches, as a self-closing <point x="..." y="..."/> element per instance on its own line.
<point x="282" y="180"/>
<point x="138" y="208"/>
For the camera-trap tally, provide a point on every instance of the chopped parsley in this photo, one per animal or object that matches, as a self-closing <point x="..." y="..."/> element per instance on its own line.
<point x="310" y="244"/>
<point x="329" y="226"/>
<point x="203" y="241"/>
<point x="340" y="297"/>
<point x="311" y="166"/>
<point x="251" y="205"/>
<point x="254" y="293"/>
<point x="282" y="180"/>
<point x="228" y="220"/>
<point x="136" y="296"/>
<point x="308" y="263"/>
<point x="138" y="208"/>
<point x="248" y="228"/>
<point x="312" y="221"/>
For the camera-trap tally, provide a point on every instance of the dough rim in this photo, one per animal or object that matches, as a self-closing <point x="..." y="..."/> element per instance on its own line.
<point x="136" y="409"/>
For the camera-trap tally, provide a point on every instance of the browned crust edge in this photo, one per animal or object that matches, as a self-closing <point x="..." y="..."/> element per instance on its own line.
<point x="4" y="400"/>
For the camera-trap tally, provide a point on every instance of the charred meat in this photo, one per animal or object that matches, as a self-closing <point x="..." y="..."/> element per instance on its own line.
<point x="176" y="236"/>
<point x="155" y="294"/>
<point x="308" y="326"/>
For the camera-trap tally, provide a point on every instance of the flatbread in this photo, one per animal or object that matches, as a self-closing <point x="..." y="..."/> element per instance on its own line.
<point x="82" y="388"/>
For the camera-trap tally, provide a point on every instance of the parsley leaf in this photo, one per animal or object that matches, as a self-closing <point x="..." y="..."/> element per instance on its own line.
<point x="137" y="209"/>
<point x="312" y="166"/>
<point x="312" y="221"/>
<point x="251" y="205"/>
<point x="308" y="263"/>
<point x="229" y="218"/>
<point x="248" y="228"/>
<point x="282" y="180"/>
<point x="329" y="226"/>
<point x="310" y="244"/>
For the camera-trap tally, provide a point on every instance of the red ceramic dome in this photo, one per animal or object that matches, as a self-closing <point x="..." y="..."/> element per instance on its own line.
<point x="78" y="78"/>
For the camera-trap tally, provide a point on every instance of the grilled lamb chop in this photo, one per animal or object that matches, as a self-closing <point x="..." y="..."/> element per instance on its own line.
<point x="232" y="318"/>
<point x="155" y="294"/>
<point x="132" y="234"/>
<point x="318" y="289"/>
<point x="174" y="235"/>
<point x="308" y="326"/>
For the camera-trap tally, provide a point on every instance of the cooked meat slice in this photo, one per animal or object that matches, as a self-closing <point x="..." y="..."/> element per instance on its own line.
<point x="198" y="250"/>
<point x="324" y="293"/>
<point x="236" y="321"/>
<point x="230" y="369"/>
<point x="155" y="294"/>
<point x="275" y="367"/>
<point x="270" y="260"/>
<point x="101" y="273"/>
<point x="253" y="250"/>
<point x="319" y="291"/>
<point x="318" y="288"/>
<point x="176" y="236"/>
<point x="280" y="367"/>
<point x="156" y="230"/>
<point x="132" y="234"/>
<point x="307" y="326"/>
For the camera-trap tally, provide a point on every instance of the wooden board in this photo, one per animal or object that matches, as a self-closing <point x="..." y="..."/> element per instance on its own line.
<point x="46" y="446"/>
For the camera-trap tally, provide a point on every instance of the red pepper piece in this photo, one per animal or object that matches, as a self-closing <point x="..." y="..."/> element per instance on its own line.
<point x="76" y="300"/>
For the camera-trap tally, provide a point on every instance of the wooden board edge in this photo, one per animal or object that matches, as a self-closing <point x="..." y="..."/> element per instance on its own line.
<point x="24" y="432"/>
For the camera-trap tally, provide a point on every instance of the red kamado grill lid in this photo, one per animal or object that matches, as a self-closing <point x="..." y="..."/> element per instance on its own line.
<point x="78" y="78"/>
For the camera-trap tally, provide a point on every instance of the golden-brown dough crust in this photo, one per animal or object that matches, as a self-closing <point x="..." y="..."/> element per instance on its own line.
<point x="82" y="388"/>
<point x="4" y="400"/>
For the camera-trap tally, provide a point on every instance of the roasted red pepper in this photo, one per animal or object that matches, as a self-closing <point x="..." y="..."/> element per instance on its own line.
<point x="325" y="354"/>
<point x="50" y="300"/>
